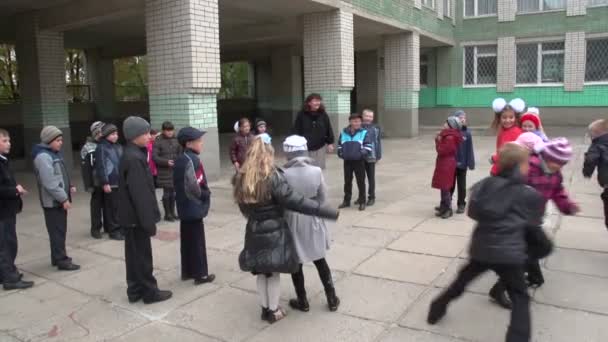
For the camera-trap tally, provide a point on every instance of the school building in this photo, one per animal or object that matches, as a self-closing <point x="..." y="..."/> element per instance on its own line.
<point x="412" y="61"/>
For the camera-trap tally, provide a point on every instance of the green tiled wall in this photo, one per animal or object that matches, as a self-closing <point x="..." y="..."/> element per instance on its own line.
<point x="197" y="110"/>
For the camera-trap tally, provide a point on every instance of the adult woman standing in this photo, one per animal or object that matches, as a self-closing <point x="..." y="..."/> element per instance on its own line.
<point x="263" y="194"/>
<point x="313" y="124"/>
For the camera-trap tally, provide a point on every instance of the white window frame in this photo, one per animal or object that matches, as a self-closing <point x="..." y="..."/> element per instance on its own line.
<point x="476" y="11"/>
<point x="541" y="9"/>
<point x="447" y="12"/>
<point x="475" y="56"/>
<point x="432" y="3"/>
<point x="595" y="6"/>
<point x="601" y="36"/>
<point x="539" y="62"/>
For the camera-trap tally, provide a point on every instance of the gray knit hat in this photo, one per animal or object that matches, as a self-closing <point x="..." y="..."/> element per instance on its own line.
<point x="108" y="129"/>
<point x="96" y="128"/>
<point x="50" y="133"/>
<point x="454" y="122"/>
<point x="134" y="126"/>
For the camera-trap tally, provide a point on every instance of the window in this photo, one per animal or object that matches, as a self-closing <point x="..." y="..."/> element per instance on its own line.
<point x="447" y="10"/>
<point x="424" y="70"/>
<point x="540" y="63"/>
<point x="480" y="64"/>
<point x="530" y="6"/>
<point x="475" y="8"/>
<point x="593" y="3"/>
<point x="596" y="69"/>
<point x="237" y="81"/>
<point x="429" y="3"/>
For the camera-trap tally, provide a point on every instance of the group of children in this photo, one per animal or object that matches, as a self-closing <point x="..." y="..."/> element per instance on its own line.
<point x="510" y="204"/>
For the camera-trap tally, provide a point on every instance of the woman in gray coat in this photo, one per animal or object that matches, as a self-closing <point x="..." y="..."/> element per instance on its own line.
<point x="310" y="233"/>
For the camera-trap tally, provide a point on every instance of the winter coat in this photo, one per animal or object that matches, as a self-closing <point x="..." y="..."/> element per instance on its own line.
<point x="375" y="137"/>
<point x="151" y="163"/>
<point x="316" y="128"/>
<point x="107" y="159"/>
<point x="354" y="145"/>
<point x="597" y="156"/>
<point x="136" y="193"/>
<point x="549" y="185"/>
<point x="505" y="209"/>
<point x="87" y="165"/>
<point x="52" y="176"/>
<point x="238" y="148"/>
<point x="10" y="200"/>
<point x="504" y="136"/>
<point x="192" y="193"/>
<point x="465" y="156"/>
<point x="310" y="233"/>
<point x="446" y="144"/>
<point x="165" y="149"/>
<point x="269" y="246"/>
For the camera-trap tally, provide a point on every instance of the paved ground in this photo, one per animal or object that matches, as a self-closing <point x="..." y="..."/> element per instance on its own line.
<point x="388" y="262"/>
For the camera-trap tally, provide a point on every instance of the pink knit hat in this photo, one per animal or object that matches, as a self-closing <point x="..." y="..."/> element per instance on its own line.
<point x="529" y="140"/>
<point x="557" y="150"/>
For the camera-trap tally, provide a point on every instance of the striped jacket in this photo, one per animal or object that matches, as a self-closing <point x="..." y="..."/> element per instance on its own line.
<point x="354" y="145"/>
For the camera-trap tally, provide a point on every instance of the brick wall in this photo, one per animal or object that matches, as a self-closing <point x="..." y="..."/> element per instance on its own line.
<point x="574" y="61"/>
<point x="506" y="62"/>
<point x="402" y="70"/>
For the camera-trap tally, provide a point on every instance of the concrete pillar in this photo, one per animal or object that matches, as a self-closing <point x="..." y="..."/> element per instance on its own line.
<point x="439" y="8"/>
<point x="448" y="74"/>
<point x="402" y="84"/>
<point x="41" y="58"/>
<point x="576" y="7"/>
<point x="286" y="88"/>
<point x="100" y="77"/>
<point x="366" y="80"/>
<point x="506" y="10"/>
<point x="329" y="61"/>
<point x="506" y="61"/>
<point x="182" y="39"/>
<point x="575" y="56"/>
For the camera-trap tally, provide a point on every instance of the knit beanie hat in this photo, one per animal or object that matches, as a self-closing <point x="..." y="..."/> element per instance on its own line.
<point x="50" y="133"/>
<point x="454" y="122"/>
<point x="557" y="150"/>
<point x="108" y="129"/>
<point x="529" y="140"/>
<point x="458" y="113"/>
<point x="260" y="123"/>
<point x="134" y="126"/>
<point x="531" y="117"/>
<point x="96" y="128"/>
<point x="295" y="146"/>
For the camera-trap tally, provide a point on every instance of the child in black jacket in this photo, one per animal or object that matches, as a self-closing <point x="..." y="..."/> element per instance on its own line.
<point x="507" y="211"/>
<point x="193" y="199"/>
<point x="10" y="202"/>
<point x="597" y="157"/>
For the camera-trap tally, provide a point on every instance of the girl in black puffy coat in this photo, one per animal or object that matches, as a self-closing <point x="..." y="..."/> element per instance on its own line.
<point x="263" y="194"/>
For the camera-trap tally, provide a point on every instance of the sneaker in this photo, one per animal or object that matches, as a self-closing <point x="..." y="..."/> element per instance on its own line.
<point x="357" y="202"/>
<point x="96" y="234"/>
<point x="460" y="209"/>
<point x="204" y="280"/>
<point x="300" y="304"/>
<point x="68" y="266"/>
<point x="118" y="236"/>
<point x="446" y="214"/>
<point x="265" y="314"/>
<point x="158" y="296"/>
<point x="18" y="285"/>
<point x="371" y="202"/>
<point x="344" y="205"/>
<point x="277" y="315"/>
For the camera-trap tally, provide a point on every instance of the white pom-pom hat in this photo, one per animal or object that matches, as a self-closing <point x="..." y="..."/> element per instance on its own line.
<point x="499" y="104"/>
<point x="518" y="105"/>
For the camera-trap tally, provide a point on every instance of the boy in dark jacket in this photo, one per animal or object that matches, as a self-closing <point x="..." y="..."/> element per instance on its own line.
<point x="597" y="157"/>
<point x="375" y="136"/>
<point x="193" y="199"/>
<point x="164" y="153"/>
<point x="353" y="146"/>
<point x="138" y="213"/>
<point x="55" y="190"/>
<point x="89" y="179"/>
<point x="446" y="145"/>
<point x="240" y="142"/>
<point x="465" y="159"/>
<point x="10" y="202"/>
<point x="506" y="210"/>
<point x="107" y="159"/>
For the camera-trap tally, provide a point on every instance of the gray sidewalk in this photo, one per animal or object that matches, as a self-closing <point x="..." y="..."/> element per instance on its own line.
<point x="388" y="262"/>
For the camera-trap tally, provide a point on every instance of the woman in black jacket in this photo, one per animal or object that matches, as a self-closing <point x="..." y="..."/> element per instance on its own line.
<point x="314" y="124"/>
<point x="263" y="194"/>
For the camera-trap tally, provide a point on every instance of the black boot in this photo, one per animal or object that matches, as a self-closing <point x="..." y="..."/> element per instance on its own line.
<point x="499" y="295"/>
<point x="447" y="213"/>
<point x="167" y="209"/>
<point x="344" y="204"/>
<point x="436" y="312"/>
<point x="301" y="303"/>
<point x="18" y="285"/>
<point x="96" y="234"/>
<point x="371" y="202"/>
<point x="158" y="296"/>
<point x="172" y="209"/>
<point x="333" y="302"/>
<point x="461" y="209"/>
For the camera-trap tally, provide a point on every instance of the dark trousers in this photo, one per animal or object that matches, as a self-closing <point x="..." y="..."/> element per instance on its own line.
<point x="358" y="168"/>
<point x="370" y="171"/>
<point x="324" y="275"/>
<point x="96" y="207"/>
<point x="193" y="249"/>
<point x="56" y="220"/>
<point x="110" y="211"/>
<point x="8" y="250"/>
<point x="605" y="200"/>
<point x="460" y="179"/>
<point x="446" y="199"/>
<point x="138" y="258"/>
<point x="168" y="194"/>
<point x="513" y="278"/>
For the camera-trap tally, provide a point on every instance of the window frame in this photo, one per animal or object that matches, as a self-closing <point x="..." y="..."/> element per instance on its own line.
<point x="476" y="11"/>
<point x="447" y="12"/>
<point x="539" y="62"/>
<point x="432" y="5"/>
<point x="596" y="6"/>
<point x="475" y="65"/>
<point x="541" y="9"/>
<point x="592" y="37"/>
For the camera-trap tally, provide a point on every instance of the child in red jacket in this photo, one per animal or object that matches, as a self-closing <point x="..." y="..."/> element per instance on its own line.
<point x="506" y="124"/>
<point x="446" y="144"/>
